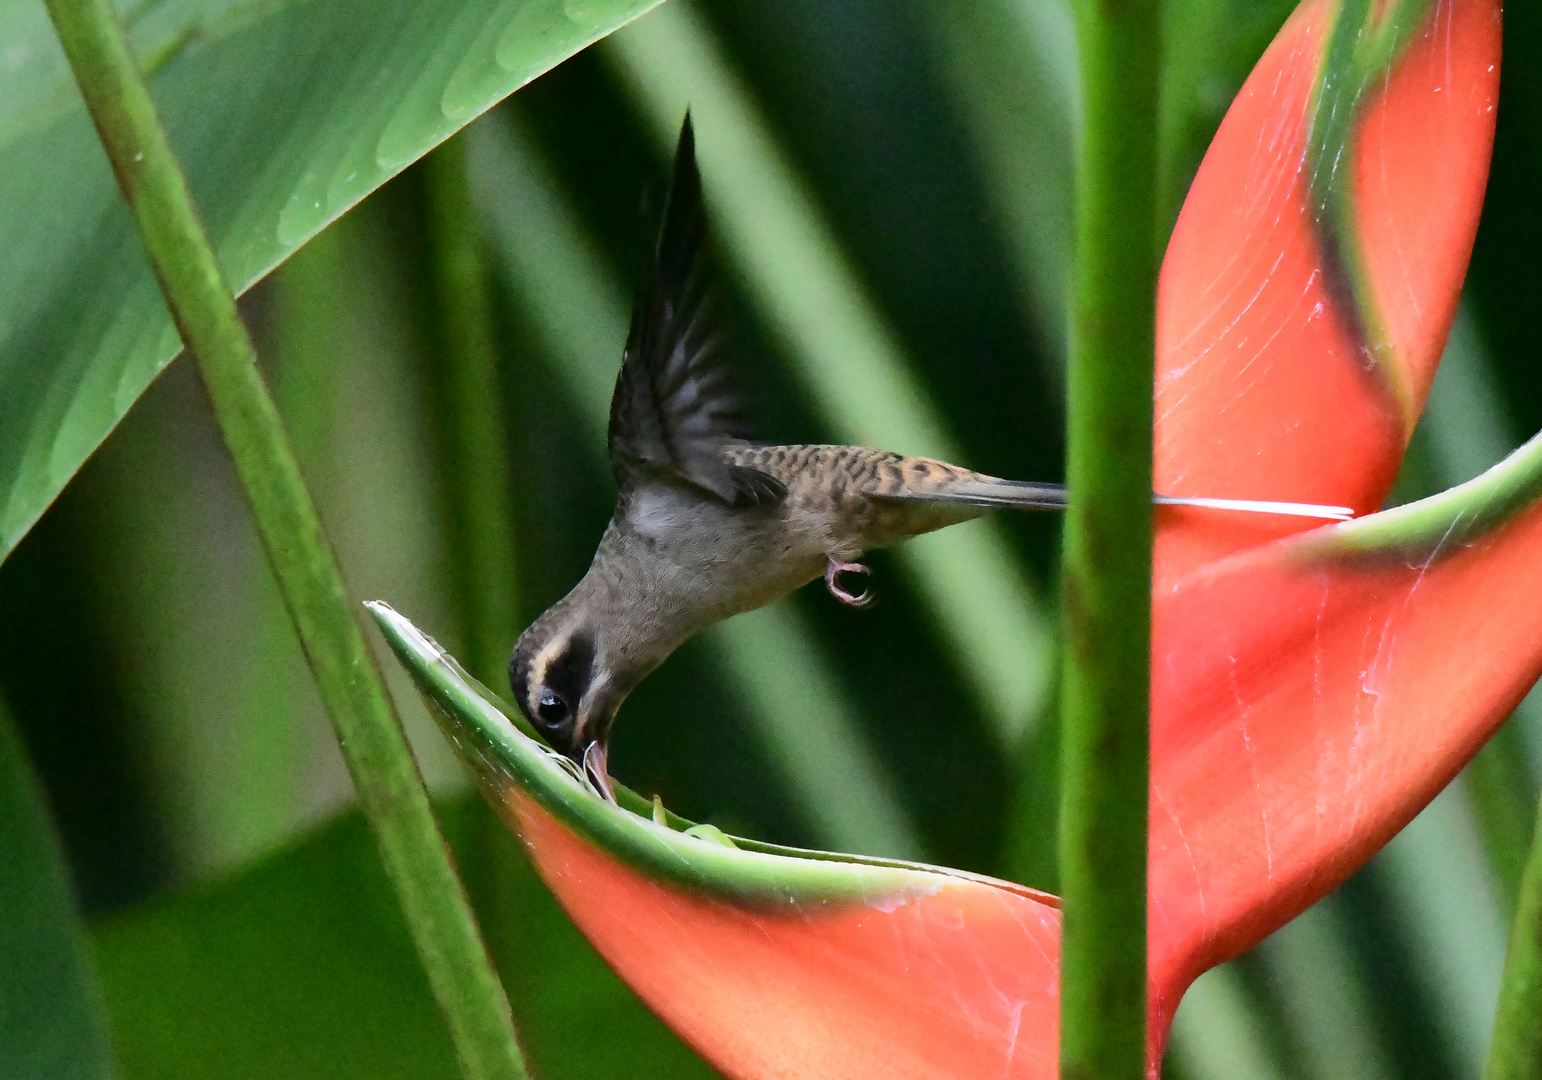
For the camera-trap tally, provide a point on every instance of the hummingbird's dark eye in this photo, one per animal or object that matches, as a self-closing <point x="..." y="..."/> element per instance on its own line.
<point x="551" y="710"/>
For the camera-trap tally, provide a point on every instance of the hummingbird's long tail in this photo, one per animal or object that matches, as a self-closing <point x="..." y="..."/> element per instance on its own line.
<point x="977" y="489"/>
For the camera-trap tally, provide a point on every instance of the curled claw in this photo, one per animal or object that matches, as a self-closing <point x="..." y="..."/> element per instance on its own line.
<point x="833" y="573"/>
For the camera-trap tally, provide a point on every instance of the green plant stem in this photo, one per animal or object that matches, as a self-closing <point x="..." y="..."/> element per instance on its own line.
<point x="374" y="746"/>
<point x="1516" y="1052"/>
<point x="472" y="440"/>
<point x="1106" y="579"/>
<point x="1500" y="787"/>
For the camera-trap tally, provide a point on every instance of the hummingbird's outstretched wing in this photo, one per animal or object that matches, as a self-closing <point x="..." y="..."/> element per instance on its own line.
<point x="674" y="409"/>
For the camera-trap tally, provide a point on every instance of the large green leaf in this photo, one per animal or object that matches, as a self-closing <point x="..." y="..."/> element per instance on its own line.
<point x="301" y="967"/>
<point x="51" y="1023"/>
<point x="284" y="115"/>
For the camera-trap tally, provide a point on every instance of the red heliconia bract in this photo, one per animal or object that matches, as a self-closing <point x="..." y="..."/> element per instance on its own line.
<point x="824" y="988"/>
<point x="1303" y="306"/>
<point x="1314" y="271"/>
<point x="1311" y="690"/>
<point x="1318" y="693"/>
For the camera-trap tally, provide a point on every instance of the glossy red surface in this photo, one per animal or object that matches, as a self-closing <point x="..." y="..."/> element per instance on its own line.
<point x="958" y="983"/>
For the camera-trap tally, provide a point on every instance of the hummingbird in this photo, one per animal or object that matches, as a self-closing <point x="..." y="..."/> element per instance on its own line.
<point x="710" y="523"/>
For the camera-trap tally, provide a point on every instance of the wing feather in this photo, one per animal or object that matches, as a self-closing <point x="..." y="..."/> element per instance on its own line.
<point x="675" y="408"/>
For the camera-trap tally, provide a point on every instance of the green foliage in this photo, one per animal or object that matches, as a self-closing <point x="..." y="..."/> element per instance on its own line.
<point x="306" y="570"/>
<point x="52" y="1026"/>
<point x="470" y="414"/>
<point x="283" y="115"/>
<point x="146" y="653"/>
<point x="1516" y="1053"/>
<point x="300" y="966"/>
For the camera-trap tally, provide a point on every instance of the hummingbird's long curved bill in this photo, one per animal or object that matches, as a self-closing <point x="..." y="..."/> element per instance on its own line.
<point x="1253" y="506"/>
<point x="597" y="769"/>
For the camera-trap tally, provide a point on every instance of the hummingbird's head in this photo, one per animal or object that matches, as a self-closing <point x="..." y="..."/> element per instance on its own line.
<point x="564" y="685"/>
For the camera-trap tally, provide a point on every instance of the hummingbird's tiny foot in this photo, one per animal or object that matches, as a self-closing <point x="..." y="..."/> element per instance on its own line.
<point x="599" y="775"/>
<point x="833" y="573"/>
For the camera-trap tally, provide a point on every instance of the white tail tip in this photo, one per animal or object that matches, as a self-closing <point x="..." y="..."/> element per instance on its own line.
<point x="1251" y="506"/>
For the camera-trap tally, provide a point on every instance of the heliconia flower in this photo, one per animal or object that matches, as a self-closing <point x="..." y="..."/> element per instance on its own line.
<point x="1311" y="690"/>
<point x="1315" y="269"/>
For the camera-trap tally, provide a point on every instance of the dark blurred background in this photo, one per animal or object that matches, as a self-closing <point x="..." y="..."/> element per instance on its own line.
<point x="891" y="188"/>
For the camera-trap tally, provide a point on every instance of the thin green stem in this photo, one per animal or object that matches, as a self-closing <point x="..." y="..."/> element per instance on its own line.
<point x="1501" y="791"/>
<point x="1516" y="1052"/>
<point x="472" y="440"/>
<point x="1106" y="580"/>
<point x="374" y="747"/>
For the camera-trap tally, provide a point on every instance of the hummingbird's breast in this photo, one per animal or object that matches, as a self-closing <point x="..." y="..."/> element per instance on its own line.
<point x="678" y="560"/>
<point x="675" y="559"/>
<point x="702" y="560"/>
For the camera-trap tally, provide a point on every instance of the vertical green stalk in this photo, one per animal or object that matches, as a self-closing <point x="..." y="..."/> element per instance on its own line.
<point x="1516" y="1052"/>
<point x="1499" y="786"/>
<point x="1106" y="580"/>
<point x="376" y="751"/>
<point x="473" y="445"/>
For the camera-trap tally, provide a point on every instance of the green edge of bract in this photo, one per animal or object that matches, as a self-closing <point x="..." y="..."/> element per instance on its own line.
<point x="499" y="747"/>
<point x="1365" y="42"/>
<point x="1420" y="532"/>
